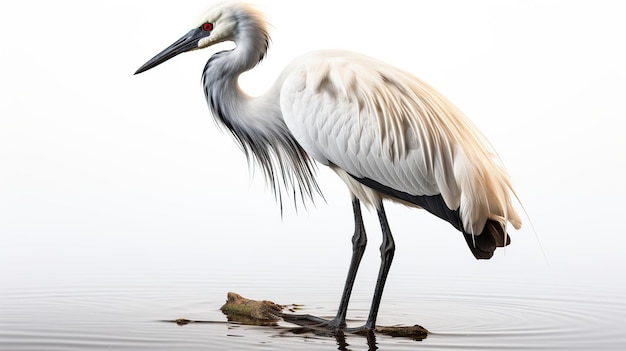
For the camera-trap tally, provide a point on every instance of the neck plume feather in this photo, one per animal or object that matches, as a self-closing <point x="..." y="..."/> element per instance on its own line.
<point x="256" y="123"/>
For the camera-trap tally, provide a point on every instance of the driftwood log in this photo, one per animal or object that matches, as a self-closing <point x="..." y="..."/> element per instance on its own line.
<point x="242" y="310"/>
<point x="239" y="309"/>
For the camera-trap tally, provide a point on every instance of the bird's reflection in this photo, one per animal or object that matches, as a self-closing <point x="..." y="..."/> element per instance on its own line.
<point x="304" y="327"/>
<point x="340" y="337"/>
<point x="342" y="344"/>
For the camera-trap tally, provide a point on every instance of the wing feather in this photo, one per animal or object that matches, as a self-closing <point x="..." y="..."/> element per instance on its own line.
<point x="378" y="122"/>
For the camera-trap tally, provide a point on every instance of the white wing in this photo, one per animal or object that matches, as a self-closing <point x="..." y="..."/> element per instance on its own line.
<point x="375" y="121"/>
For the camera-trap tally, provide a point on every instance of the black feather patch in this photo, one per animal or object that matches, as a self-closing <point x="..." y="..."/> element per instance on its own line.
<point x="482" y="246"/>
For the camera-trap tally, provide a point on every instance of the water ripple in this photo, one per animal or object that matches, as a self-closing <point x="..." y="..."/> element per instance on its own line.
<point x="501" y="315"/>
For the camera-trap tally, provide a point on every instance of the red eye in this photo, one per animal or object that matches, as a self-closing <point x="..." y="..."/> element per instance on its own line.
<point x="207" y="27"/>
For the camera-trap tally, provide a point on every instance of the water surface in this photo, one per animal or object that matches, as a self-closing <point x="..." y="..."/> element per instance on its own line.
<point x="462" y="313"/>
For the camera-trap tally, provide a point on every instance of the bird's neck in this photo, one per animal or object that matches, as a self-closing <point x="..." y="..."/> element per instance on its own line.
<point x="231" y="106"/>
<point x="256" y="122"/>
<point x="250" y="119"/>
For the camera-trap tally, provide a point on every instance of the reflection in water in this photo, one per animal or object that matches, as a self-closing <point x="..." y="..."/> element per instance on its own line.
<point x="339" y="336"/>
<point x="125" y="316"/>
<point x="343" y="345"/>
<point x="247" y="320"/>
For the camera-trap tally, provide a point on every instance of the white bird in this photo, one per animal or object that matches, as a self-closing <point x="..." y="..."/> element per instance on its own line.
<point x="387" y="134"/>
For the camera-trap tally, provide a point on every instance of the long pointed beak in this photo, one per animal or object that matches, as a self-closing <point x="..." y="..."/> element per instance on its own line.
<point x="188" y="42"/>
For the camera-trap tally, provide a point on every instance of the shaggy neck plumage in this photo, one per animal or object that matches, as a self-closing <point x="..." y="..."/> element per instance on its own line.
<point x="257" y="123"/>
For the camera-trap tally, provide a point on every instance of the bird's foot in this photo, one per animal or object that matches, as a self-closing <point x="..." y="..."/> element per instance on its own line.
<point x="307" y="320"/>
<point x="362" y="330"/>
<point x="333" y="326"/>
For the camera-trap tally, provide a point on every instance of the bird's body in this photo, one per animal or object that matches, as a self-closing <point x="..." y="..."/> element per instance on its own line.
<point x="387" y="134"/>
<point x="369" y="120"/>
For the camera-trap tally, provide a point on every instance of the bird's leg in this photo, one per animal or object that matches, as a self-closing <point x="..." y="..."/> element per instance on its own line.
<point x="359" y="241"/>
<point x="387" y="249"/>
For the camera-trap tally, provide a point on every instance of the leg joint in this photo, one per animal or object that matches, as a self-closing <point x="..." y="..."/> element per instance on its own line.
<point x="359" y="239"/>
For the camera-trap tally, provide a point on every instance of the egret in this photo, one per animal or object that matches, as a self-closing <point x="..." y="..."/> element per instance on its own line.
<point x="384" y="132"/>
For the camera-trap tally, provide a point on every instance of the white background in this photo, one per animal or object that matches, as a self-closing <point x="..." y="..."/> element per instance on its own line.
<point x="105" y="174"/>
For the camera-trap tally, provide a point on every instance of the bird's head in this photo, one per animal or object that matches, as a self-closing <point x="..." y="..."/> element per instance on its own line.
<point x="218" y="24"/>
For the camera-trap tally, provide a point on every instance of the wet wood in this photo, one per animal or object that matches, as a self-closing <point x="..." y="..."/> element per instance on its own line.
<point x="185" y="321"/>
<point x="239" y="309"/>
<point x="246" y="311"/>
<point x="415" y="332"/>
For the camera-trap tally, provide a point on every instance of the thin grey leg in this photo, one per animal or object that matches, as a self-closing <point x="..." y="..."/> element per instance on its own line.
<point x="359" y="241"/>
<point x="387" y="249"/>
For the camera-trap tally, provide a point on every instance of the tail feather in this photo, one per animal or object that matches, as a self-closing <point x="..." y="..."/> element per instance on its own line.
<point x="492" y="237"/>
